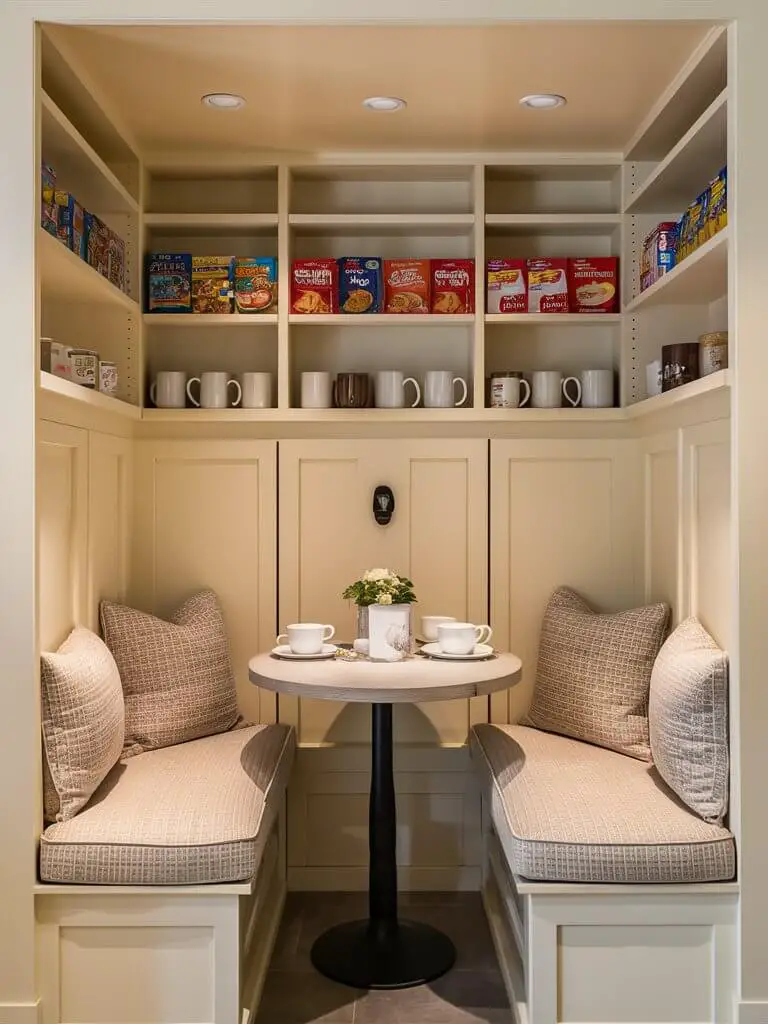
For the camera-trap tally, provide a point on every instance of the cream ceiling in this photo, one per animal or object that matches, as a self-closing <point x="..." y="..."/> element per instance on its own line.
<point x="304" y="84"/>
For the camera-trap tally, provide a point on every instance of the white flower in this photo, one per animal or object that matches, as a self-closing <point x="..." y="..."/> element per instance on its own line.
<point x="376" y="575"/>
<point x="385" y="599"/>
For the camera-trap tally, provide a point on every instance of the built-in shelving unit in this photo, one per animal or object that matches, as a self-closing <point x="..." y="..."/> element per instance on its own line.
<point x="171" y="321"/>
<point x="720" y="381"/>
<point x="64" y="275"/>
<point x="87" y="396"/>
<point x="701" y="277"/>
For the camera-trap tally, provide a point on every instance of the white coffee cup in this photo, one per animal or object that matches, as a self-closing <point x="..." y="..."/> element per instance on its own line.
<point x="429" y="624"/>
<point x="548" y="388"/>
<point x="316" y="390"/>
<point x="168" y="389"/>
<point x="306" y="637"/>
<point x="461" y="637"/>
<point x="596" y="389"/>
<point x="390" y="389"/>
<point x="439" y="389"/>
<point x="505" y="392"/>
<point x="653" y="378"/>
<point x="214" y="387"/>
<point x="257" y="390"/>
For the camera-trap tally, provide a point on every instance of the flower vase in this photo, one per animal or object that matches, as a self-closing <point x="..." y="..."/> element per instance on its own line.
<point x="362" y="621"/>
<point x="389" y="632"/>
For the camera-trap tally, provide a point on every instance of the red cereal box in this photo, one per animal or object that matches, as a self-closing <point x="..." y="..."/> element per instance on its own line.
<point x="547" y="285"/>
<point x="314" y="286"/>
<point x="406" y="286"/>
<point x="593" y="284"/>
<point x="506" y="283"/>
<point x="453" y="286"/>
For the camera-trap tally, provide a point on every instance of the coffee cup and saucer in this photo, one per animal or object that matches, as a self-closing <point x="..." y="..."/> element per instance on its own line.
<point x="306" y="641"/>
<point x="460" y="641"/>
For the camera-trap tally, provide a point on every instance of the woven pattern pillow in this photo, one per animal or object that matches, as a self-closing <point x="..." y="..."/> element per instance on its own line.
<point x="688" y="718"/>
<point x="83" y="720"/>
<point x="594" y="673"/>
<point x="177" y="676"/>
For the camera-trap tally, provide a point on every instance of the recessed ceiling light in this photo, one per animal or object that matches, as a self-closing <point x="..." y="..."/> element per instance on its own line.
<point x="223" y="100"/>
<point x="386" y="104"/>
<point x="543" y="101"/>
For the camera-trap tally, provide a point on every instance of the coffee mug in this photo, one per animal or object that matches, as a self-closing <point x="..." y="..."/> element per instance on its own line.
<point x="461" y="637"/>
<point x="352" y="391"/>
<point x="596" y="389"/>
<point x="505" y="392"/>
<point x="168" y="389"/>
<point x="316" y="390"/>
<point x="653" y="378"/>
<point x="429" y="624"/>
<point x="548" y="388"/>
<point x="257" y="390"/>
<point x="306" y="637"/>
<point x="214" y="385"/>
<point x="389" y="386"/>
<point x="439" y="389"/>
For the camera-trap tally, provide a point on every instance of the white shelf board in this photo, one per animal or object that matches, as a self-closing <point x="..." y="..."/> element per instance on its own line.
<point x="686" y="169"/>
<point x="64" y="275"/>
<point x="702" y="277"/>
<point x="552" y="223"/>
<point x="554" y="319"/>
<point x="380" y="319"/>
<point x="687" y="392"/>
<point x="382" y="223"/>
<point x="371" y="416"/>
<point x="222" y="320"/>
<point x="212" y="223"/>
<point x="87" y="396"/>
<point x="79" y="166"/>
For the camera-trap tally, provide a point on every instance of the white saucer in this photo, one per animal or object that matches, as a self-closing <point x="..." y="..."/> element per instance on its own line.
<point x="481" y="651"/>
<point x="284" y="651"/>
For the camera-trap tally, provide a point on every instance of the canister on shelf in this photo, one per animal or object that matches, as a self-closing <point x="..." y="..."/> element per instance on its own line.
<point x="107" y="377"/>
<point x="680" y="365"/>
<point x="85" y="366"/>
<point x="713" y="352"/>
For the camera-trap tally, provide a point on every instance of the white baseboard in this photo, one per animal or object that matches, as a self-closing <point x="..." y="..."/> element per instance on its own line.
<point x="20" y="1013"/>
<point x="753" y="1013"/>
<point x="410" y="879"/>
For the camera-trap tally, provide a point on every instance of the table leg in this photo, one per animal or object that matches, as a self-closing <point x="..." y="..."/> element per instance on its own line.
<point x="383" y="951"/>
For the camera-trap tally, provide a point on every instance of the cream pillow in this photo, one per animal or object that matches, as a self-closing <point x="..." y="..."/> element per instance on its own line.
<point x="177" y="676"/>
<point x="688" y="718"/>
<point x="83" y="720"/>
<point x="594" y="672"/>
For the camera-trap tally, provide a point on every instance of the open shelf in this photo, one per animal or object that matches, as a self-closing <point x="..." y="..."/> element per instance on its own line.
<point x="685" y="393"/>
<point x="87" y="396"/>
<point x="64" y="275"/>
<point x="383" y="223"/>
<point x="372" y="416"/>
<point x="380" y="319"/>
<point x="212" y="223"/>
<point x="702" y="277"/>
<point x="223" y="320"/>
<point x="554" y="319"/>
<point x="577" y="224"/>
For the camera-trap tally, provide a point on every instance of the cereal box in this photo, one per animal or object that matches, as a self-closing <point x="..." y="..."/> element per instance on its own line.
<point x="48" y="209"/>
<point x="314" y="286"/>
<point x="453" y="286"/>
<point x="659" y="253"/>
<point x="593" y="284"/>
<point x="506" y="283"/>
<point x="692" y="227"/>
<point x="105" y="251"/>
<point x="361" y="284"/>
<point x="71" y="223"/>
<point x="406" y="286"/>
<point x="547" y="285"/>
<point x="211" y="284"/>
<point x="169" y="282"/>
<point x="717" y="205"/>
<point x="254" y="280"/>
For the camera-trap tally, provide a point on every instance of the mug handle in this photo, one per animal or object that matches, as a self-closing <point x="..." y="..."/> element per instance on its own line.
<point x="335" y="394"/>
<point x="193" y="400"/>
<point x="483" y="634"/>
<point x="412" y="380"/>
<point x="239" y="391"/>
<point x="462" y="400"/>
<point x="153" y="392"/>
<point x="568" y="398"/>
<point x="328" y="636"/>
<point x="524" y="384"/>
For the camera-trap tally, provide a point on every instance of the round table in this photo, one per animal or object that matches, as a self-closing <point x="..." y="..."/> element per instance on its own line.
<point x="383" y="951"/>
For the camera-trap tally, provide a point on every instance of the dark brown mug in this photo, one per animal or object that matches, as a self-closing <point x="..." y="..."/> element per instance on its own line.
<point x="680" y="365"/>
<point x="352" y="391"/>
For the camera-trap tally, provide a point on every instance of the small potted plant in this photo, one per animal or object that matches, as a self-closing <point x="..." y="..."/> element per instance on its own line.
<point x="383" y="600"/>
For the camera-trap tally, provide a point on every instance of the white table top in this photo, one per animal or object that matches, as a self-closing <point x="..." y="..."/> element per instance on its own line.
<point x="402" y="682"/>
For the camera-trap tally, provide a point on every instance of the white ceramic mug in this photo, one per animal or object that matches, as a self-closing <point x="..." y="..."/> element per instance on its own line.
<point x="653" y="378"/>
<point x="461" y="637"/>
<point x="505" y="392"/>
<point x="429" y="624"/>
<point x="390" y="389"/>
<point x="548" y="388"/>
<point x="214" y="387"/>
<point x="168" y="389"/>
<point x="439" y="389"/>
<point x="257" y="390"/>
<point x="596" y="389"/>
<point x="306" y="637"/>
<point x="316" y="390"/>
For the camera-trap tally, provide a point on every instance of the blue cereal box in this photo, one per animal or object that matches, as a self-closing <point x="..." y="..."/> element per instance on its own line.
<point x="169" y="282"/>
<point x="48" y="211"/>
<point x="71" y="223"/>
<point x="361" y="284"/>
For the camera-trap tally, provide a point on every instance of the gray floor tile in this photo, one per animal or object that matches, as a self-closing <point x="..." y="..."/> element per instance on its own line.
<point x="305" y="998"/>
<point x="460" y="997"/>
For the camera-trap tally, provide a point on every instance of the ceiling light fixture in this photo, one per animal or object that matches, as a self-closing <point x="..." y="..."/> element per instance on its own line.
<point x="543" y="101"/>
<point x="384" y="104"/>
<point x="223" y="101"/>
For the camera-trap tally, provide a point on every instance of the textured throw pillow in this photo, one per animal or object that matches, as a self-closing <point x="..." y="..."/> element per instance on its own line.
<point x="83" y="719"/>
<point x="688" y="718"/>
<point x="177" y="676"/>
<point x="594" y="673"/>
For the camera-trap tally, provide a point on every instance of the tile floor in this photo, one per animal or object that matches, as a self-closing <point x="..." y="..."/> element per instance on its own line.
<point x="471" y="993"/>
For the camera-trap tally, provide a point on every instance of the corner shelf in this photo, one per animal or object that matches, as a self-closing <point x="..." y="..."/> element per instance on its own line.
<point x="701" y="277"/>
<point x="64" y="275"/>
<point x="87" y="396"/>
<point x="552" y="223"/>
<point x="221" y="320"/>
<point x="383" y="223"/>
<point x="710" y="384"/>
<point x="554" y="319"/>
<point x="212" y="223"/>
<point x="373" y="416"/>
<point x="380" y="319"/>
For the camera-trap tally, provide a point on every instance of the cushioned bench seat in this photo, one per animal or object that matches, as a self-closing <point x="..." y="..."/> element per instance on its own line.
<point x="192" y="813"/>
<point x="569" y="811"/>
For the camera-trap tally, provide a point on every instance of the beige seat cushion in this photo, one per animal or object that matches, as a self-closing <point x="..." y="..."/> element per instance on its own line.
<point x="572" y="812"/>
<point x="594" y="672"/>
<point x="83" y="721"/>
<point x="194" y="813"/>
<point x="177" y="676"/>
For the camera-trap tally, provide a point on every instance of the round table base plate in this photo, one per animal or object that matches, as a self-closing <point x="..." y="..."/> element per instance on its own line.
<point x="358" y="955"/>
